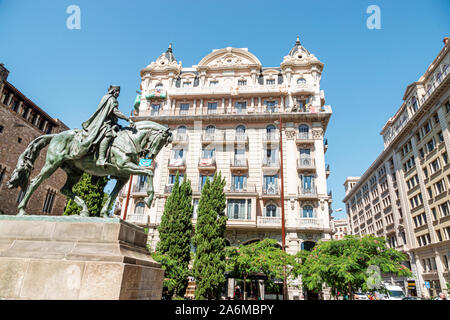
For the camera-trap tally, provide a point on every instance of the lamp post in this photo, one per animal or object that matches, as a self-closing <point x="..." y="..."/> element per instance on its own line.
<point x="283" y="232"/>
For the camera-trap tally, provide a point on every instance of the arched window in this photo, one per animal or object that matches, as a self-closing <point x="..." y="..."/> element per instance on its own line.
<point x="139" y="208"/>
<point x="210" y="129"/>
<point x="240" y="132"/>
<point x="270" y="128"/>
<point x="181" y="130"/>
<point x="159" y="86"/>
<point x="271" y="210"/>
<point x="301" y="81"/>
<point x="308" y="245"/>
<point x="303" y="131"/>
<point x="307" y="212"/>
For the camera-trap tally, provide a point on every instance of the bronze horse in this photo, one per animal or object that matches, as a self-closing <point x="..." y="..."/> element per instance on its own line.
<point x="146" y="139"/>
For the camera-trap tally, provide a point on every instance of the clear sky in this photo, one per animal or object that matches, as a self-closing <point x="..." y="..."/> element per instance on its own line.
<point x="66" y="72"/>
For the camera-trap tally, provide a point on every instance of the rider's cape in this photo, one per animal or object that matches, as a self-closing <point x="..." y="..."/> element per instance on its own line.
<point x="94" y="128"/>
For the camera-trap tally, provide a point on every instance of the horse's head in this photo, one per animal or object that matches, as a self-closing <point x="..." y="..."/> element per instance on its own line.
<point x="156" y="137"/>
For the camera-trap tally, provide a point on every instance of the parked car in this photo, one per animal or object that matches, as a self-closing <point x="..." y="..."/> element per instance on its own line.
<point x="393" y="293"/>
<point x="413" y="298"/>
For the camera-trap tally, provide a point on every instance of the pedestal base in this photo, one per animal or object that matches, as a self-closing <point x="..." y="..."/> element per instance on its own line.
<point x="75" y="258"/>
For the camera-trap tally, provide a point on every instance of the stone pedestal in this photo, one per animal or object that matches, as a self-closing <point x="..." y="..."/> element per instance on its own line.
<point x="75" y="258"/>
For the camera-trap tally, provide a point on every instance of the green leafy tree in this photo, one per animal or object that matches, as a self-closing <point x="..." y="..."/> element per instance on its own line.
<point x="264" y="256"/>
<point x="209" y="240"/>
<point x="175" y="230"/>
<point x="91" y="190"/>
<point x="350" y="265"/>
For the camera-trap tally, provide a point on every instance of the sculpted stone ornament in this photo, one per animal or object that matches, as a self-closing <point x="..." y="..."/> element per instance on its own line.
<point x="101" y="148"/>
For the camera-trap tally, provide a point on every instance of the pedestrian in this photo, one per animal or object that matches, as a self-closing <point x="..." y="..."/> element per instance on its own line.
<point x="441" y="296"/>
<point x="237" y="293"/>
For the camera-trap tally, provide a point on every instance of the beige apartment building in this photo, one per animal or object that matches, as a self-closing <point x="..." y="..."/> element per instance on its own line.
<point x="404" y="196"/>
<point x="224" y="113"/>
<point x="340" y="228"/>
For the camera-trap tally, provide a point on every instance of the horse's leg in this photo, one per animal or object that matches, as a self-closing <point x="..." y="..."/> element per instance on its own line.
<point x="112" y="197"/>
<point x="46" y="172"/>
<point x="150" y="192"/>
<point x="73" y="176"/>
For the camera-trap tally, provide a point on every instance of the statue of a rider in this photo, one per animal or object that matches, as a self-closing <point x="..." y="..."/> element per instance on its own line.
<point x="101" y="128"/>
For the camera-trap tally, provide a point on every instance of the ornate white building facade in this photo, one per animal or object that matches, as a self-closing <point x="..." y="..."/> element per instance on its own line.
<point x="224" y="114"/>
<point x="404" y="195"/>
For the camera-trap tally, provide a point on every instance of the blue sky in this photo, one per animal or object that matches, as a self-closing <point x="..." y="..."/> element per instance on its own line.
<point x="366" y="71"/>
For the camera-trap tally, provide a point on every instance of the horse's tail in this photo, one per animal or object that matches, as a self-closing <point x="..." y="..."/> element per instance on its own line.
<point x="25" y="163"/>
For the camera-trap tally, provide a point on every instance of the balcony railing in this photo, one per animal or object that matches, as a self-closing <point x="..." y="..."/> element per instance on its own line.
<point x="140" y="188"/>
<point x="307" y="223"/>
<point x="180" y="137"/>
<point x="268" y="221"/>
<point x="177" y="163"/>
<point x="273" y="163"/>
<point x="307" y="192"/>
<point x="241" y="137"/>
<point x="141" y="219"/>
<point x="304" y="137"/>
<point x="271" y="190"/>
<point x="244" y="189"/>
<point x="434" y="85"/>
<point x="210" y="137"/>
<point x="306" y="163"/>
<point x="271" y="136"/>
<point x="238" y="163"/>
<point x="207" y="162"/>
<point x="168" y="188"/>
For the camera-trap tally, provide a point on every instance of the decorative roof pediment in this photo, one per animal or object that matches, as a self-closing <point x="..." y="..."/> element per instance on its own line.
<point x="165" y="62"/>
<point x="300" y="56"/>
<point x="229" y="58"/>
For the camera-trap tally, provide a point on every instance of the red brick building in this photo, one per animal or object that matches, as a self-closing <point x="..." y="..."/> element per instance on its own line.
<point x="21" y="121"/>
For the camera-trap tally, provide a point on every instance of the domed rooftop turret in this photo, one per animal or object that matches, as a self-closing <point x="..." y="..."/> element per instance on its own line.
<point x="298" y="49"/>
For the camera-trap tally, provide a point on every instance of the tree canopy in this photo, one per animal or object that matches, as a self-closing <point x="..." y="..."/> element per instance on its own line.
<point x="90" y="189"/>
<point x="350" y="264"/>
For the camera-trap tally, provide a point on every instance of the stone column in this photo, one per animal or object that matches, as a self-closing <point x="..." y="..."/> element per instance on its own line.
<point x="259" y="104"/>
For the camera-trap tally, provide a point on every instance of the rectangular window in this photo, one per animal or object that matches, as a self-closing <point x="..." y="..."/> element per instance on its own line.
<point x="238" y="183"/>
<point x="271" y="106"/>
<point x="236" y="209"/>
<point x="271" y="184"/>
<point x="430" y="145"/>
<point x="48" y="202"/>
<point x="154" y="110"/>
<point x="187" y="84"/>
<point x="212" y="107"/>
<point x="270" y="81"/>
<point x="444" y="209"/>
<point x="173" y="176"/>
<point x="184" y="109"/>
<point x="242" y="83"/>
<point x="241" y="107"/>
<point x="213" y="83"/>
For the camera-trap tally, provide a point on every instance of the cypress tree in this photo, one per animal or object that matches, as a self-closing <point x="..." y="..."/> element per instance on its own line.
<point x="92" y="194"/>
<point x="209" y="240"/>
<point x="175" y="230"/>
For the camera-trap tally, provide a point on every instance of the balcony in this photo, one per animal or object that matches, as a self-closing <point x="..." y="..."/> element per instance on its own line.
<point x="271" y="163"/>
<point x="212" y="137"/>
<point x="271" y="191"/>
<point x="306" y="164"/>
<point x="241" y="138"/>
<point x="304" y="137"/>
<point x="238" y="164"/>
<point x="271" y="137"/>
<point x="139" y="219"/>
<point x="251" y="188"/>
<point x="241" y="223"/>
<point x="207" y="163"/>
<point x="306" y="223"/>
<point x="168" y="188"/>
<point x="177" y="164"/>
<point x="307" y="193"/>
<point x="268" y="222"/>
<point x="180" y="138"/>
<point x="435" y="84"/>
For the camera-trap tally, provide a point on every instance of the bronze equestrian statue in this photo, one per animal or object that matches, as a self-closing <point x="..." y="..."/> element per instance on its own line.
<point x="101" y="148"/>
